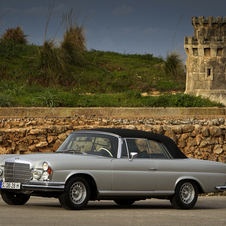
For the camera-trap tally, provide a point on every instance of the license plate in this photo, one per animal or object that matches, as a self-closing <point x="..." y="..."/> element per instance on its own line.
<point x="9" y="185"/>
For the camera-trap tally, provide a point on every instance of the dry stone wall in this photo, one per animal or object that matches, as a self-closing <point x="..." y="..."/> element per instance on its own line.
<point x="202" y="139"/>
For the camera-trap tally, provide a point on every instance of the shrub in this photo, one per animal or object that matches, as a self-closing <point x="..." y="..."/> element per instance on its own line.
<point x="178" y="100"/>
<point x="15" y="34"/>
<point x="48" y="99"/>
<point x="74" y="41"/>
<point x="174" y="65"/>
<point x="51" y="58"/>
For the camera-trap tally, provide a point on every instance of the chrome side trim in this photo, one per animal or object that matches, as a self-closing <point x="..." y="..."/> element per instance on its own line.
<point x="221" y="188"/>
<point x="135" y="193"/>
<point x="44" y="186"/>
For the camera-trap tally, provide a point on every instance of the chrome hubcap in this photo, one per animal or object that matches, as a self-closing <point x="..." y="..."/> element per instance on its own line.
<point x="187" y="193"/>
<point x="78" y="192"/>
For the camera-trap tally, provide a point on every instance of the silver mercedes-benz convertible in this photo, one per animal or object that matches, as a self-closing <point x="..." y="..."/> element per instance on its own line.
<point x="111" y="164"/>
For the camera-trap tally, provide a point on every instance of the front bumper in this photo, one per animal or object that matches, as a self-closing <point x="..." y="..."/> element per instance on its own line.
<point x="221" y="188"/>
<point x="45" y="186"/>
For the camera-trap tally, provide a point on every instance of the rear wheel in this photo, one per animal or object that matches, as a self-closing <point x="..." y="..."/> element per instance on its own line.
<point x="124" y="202"/>
<point x="186" y="195"/>
<point x="76" y="194"/>
<point x="12" y="198"/>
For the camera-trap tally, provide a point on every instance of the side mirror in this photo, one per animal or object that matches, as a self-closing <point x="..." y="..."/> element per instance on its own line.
<point x="133" y="155"/>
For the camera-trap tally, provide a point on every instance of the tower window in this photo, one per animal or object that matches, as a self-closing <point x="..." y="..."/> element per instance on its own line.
<point x="207" y="52"/>
<point x="220" y="52"/>
<point x="195" y="52"/>
<point x="208" y="72"/>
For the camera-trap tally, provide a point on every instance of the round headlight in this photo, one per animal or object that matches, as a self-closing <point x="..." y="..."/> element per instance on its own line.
<point x="45" y="166"/>
<point x="45" y="176"/>
<point x="37" y="174"/>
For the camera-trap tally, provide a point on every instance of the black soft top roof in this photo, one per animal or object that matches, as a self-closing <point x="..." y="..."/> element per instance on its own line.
<point x="168" y="142"/>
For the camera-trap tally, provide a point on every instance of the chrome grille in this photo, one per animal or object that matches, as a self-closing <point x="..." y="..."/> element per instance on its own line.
<point x="17" y="172"/>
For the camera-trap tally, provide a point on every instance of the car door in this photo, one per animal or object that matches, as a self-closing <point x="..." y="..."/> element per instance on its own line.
<point x="137" y="174"/>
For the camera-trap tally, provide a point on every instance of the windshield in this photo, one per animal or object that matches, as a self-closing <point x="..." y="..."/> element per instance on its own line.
<point x="90" y="143"/>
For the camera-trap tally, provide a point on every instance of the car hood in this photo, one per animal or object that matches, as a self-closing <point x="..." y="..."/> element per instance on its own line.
<point x="52" y="158"/>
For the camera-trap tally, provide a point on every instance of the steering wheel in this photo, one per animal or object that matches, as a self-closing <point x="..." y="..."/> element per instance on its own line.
<point x="105" y="150"/>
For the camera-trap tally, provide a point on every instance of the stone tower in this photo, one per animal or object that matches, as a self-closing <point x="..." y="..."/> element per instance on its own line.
<point x="206" y="59"/>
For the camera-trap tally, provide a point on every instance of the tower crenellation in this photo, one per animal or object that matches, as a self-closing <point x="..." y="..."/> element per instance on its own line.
<point x="208" y="27"/>
<point x="206" y="58"/>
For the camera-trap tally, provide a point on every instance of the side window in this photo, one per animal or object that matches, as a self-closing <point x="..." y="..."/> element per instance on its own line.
<point x="157" y="150"/>
<point x="138" y="145"/>
<point x="144" y="148"/>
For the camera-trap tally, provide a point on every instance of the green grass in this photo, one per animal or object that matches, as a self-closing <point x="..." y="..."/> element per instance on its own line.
<point x="47" y="97"/>
<point x="111" y="80"/>
<point x="101" y="72"/>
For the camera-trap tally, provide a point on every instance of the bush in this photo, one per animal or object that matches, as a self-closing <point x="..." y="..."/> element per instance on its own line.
<point x="48" y="99"/>
<point x="174" y="65"/>
<point x="15" y="34"/>
<point x="178" y="100"/>
<point x="74" y="42"/>
<point x="51" y="59"/>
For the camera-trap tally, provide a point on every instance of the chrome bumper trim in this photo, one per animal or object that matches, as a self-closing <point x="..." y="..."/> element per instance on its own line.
<point x="221" y="188"/>
<point x="44" y="186"/>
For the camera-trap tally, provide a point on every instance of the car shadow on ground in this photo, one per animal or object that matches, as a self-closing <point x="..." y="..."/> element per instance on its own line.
<point x="108" y="205"/>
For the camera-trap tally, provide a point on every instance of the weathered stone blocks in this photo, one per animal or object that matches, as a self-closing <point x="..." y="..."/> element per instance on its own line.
<point x="203" y="139"/>
<point x="206" y="59"/>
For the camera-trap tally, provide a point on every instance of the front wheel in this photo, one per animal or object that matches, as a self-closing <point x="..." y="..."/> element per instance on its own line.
<point x="12" y="198"/>
<point x="185" y="196"/>
<point x="76" y="194"/>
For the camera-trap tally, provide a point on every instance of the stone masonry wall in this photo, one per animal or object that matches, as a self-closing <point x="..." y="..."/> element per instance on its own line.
<point x="197" y="138"/>
<point x="206" y="58"/>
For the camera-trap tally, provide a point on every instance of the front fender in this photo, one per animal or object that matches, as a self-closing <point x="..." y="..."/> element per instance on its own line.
<point x="198" y="182"/>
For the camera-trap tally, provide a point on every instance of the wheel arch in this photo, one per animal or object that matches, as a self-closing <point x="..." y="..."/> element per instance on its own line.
<point x="90" y="180"/>
<point x="197" y="182"/>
